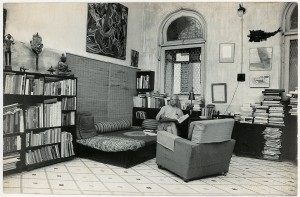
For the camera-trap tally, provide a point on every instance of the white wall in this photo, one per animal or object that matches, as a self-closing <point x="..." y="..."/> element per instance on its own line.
<point x="223" y="26"/>
<point x="63" y="27"/>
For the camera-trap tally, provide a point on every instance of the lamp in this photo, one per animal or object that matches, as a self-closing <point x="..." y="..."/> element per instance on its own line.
<point x="241" y="11"/>
<point x="191" y="97"/>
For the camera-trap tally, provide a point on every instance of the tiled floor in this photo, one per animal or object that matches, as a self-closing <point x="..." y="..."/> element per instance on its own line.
<point x="82" y="176"/>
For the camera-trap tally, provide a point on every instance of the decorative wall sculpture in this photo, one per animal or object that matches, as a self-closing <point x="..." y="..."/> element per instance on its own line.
<point x="107" y="29"/>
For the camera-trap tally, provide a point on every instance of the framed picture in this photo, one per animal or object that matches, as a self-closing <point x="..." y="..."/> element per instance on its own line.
<point x="219" y="92"/>
<point x="259" y="81"/>
<point x="226" y="52"/>
<point x="107" y="29"/>
<point x="260" y="58"/>
<point x="134" y="58"/>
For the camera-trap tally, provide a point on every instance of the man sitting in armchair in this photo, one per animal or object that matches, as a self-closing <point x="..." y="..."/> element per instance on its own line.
<point x="168" y="116"/>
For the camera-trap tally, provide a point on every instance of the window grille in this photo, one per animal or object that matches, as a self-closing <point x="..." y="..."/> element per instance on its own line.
<point x="182" y="76"/>
<point x="293" y="61"/>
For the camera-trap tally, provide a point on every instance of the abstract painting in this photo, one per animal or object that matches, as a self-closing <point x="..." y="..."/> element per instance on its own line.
<point x="260" y="58"/>
<point x="134" y="58"/>
<point x="259" y="81"/>
<point x="107" y="29"/>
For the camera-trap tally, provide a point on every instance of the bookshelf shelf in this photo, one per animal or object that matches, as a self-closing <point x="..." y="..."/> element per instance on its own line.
<point x="33" y="114"/>
<point x="145" y="81"/>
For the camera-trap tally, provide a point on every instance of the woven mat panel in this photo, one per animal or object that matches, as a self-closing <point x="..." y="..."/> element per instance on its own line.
<point x="92" y="85"/>
<point x="104" y="89"/>
<point x="122" y="85"/>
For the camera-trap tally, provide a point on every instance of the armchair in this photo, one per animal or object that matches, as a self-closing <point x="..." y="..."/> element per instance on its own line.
<point x="207" y="151"/>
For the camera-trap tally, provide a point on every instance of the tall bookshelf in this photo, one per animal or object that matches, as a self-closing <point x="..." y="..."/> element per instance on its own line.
<point x="40" y="111"/>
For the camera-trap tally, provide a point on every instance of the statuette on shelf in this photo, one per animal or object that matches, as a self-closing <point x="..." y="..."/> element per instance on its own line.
<point x="63" y="68"/>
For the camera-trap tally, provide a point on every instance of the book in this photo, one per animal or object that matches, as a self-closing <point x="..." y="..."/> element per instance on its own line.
<point x="179" y="120"/>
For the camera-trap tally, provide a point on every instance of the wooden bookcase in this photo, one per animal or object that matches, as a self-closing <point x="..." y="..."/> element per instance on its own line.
<point x="44" y="121"/>
<point x="145" y="81"/>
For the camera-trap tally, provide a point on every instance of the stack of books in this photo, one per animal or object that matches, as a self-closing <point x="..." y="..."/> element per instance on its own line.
<point x="272" y="148"/>
<point x="293" y="102"/>
<point x="260" y="114"/>
<point x="10" y="161"/>
<point x="246" y="113"/>
<point x="273" y="99"/>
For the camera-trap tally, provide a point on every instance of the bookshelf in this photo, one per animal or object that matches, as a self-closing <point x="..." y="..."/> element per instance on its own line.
<point x="38" y="119"/>
<point x="145" y="81"/>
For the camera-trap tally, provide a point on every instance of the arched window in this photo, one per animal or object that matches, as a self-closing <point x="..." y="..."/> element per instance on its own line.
<point x="290" y="47"/>
<point x="182" y="47"/>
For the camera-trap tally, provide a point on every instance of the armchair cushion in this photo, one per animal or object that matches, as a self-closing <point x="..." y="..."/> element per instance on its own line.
<point x="210" y="131"/>
<point x="109" y="126"/>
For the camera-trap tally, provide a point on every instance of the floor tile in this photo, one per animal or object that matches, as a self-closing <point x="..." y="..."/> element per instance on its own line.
<point x="110" y="178"/>
<point x="241" y="181"/>
<point x="137" y="179"/>
<point x="102" y="171"/>
<point x="78" y="170"/>
<point x="215" y="181"/>
<point x="179" y="189"/>
<point x="59" y="176"/>
<point x="266" y="181"/>
<point x="120" y="187"/>
<point x="269" y="174"/>
<point x="246" y="174"/>
<point x="94" y="164"/>
<point x="34" y="175"/>
<point x="141" y="167"/>
<point x="162" y="180"/>
<point x="207" y="189"/>
<point x="56" y="168"/>
<point x="65" y="192"/>
<point x="63" y="184"/>
<point x="12" y="190"/>
<point x="150" y="173"/>
<point x="12" y="182"/>
<point x="286" y="181"/>
<point x="126" y="172"/>
<point x="236" y="190"/>
<point x="75" y="164"/>
<point x="262" y="189"/>
<point x="288" y="174"/>
<point x="36" y="191"/>
<point x="84" y="177"/>
<point x="290" y="190"/>
<point x="149" y="188"/>
<point x="91" y="186"/>
<point x="127" y="193"/>
<point x="35" y="183"/>
<point x="96" y="192"/>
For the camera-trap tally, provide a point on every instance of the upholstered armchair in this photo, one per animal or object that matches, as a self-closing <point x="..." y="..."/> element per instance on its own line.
<point x="206" y="152"/>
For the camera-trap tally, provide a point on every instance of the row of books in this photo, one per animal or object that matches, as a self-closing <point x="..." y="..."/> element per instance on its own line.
<point x="13" y="119"/>
<point x="148" y="101"/>
<point x="52" y="113"/>
<point x="10" y="161"/>
<point x="68" y="118"/>
<point x="293" y="105"/>
<point x="14" y="84"/>
<point x="65" y="87"/>
<point x="49" y="136"/>
<point x="34" y="116"/>
<point x="34" y="86"/>
<point x="272" y="147"/>
<point x="208" y="111"/>
<point x="12" y="143"/>
<point x="23" y="84"/>
<point x="143" y="82"/>
<point x="66" y="145"/>
<point x="69" y="103"/>
<point x="42" y="154"/>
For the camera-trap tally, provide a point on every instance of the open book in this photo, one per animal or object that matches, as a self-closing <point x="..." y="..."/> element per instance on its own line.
<point x="179" y="120"/>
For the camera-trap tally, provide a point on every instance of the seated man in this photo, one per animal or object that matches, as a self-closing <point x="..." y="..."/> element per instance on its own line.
<point x="170" y="111"/>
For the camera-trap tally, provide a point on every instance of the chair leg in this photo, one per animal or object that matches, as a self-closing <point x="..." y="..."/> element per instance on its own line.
<point x="159" y="166"/>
